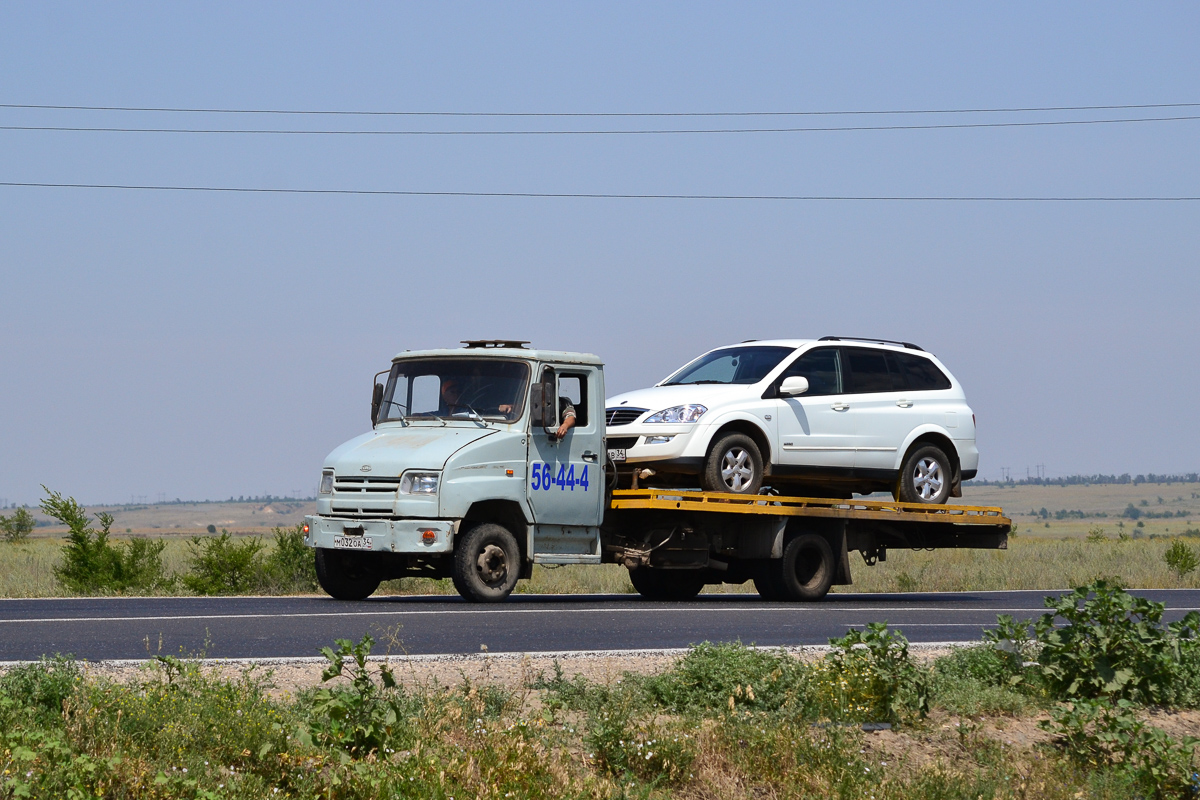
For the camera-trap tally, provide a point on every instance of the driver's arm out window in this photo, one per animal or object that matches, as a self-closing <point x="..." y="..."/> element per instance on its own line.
<point x="573" y="389"/>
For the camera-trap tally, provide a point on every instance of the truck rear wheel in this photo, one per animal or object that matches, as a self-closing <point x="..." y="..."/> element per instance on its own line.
<point x="768" y="581"/>
<point x="345" y="576"/>
<point x="487" y="563"/>
<point x="666" y="584"/>
<point x="806" y="569"/>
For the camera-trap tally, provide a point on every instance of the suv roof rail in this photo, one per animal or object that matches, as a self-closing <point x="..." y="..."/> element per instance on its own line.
<point x="514" y="344"/>
<point x="909" y="345"/>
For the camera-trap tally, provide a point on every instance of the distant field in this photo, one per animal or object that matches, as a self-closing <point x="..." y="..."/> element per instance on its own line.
<point x="190" y="519"/>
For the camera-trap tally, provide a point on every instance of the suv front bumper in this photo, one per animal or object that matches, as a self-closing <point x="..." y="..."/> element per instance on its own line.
<point x="381" y="535"/>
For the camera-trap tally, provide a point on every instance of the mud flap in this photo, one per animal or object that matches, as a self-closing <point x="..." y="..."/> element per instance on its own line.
<point x="842" y="555"/>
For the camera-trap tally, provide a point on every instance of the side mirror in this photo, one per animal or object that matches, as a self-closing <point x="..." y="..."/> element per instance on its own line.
<point x="791" y="387"/>
<point x="549" y="402"/>
<point x="537" y="407"/>
<point x="376" y="401"/>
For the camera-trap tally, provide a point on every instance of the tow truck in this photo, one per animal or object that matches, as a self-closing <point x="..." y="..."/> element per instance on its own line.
<point x="464" y="475"/>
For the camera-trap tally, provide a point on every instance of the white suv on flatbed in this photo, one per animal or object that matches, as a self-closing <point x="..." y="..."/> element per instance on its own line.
<point x="828" y="417"/>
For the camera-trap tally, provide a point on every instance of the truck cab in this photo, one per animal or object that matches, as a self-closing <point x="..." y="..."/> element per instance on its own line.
<point x="464" y="475"/>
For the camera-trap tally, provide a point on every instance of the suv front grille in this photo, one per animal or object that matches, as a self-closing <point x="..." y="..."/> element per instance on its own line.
<point x="620" y="442"/>
<point x="621" y="415"/>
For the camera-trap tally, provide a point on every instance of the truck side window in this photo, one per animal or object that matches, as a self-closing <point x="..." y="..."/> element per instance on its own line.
<point x="822" y="369"/>
<point x="573" y="389"/>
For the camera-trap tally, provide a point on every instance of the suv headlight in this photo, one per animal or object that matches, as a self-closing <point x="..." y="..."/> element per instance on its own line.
<point x="419" y="483"/>
<point x="688" y="413"/>
<point x="326" y="482"/>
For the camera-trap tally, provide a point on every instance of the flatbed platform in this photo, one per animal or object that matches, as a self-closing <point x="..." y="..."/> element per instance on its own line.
<point x="782" y="506"/>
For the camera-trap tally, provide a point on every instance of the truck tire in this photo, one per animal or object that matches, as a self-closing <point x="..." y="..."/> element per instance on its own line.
<point x="768" y="581"/>
<point x="806" y="570"/>
<point x="487" y="563"/>
<point x="926" y="476"/>
<point x="734" y="465"/>
<point x="666" y="584"/>
<point x="345" y="576"/>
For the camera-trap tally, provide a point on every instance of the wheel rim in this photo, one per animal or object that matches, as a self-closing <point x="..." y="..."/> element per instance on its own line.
<point x="927" y="478"/>
<point x="737" y="470"/>
<point x="492" y="564"/>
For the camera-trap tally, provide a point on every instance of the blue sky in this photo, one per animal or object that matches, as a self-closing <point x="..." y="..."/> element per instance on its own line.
<point x="202" y="346"/>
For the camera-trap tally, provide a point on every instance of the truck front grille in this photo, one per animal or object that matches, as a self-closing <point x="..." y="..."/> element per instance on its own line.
<point x="347" y="485"/>
<point x="621" y="415"/>
<point x="356" y="511"/>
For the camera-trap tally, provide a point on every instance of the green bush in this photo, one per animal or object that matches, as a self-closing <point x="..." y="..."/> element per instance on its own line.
<point x="17" y="527"/>
<point x="223" y="565"/>
<point x="39" y="690"/>
<point x="869" y="677"/>
<point x="290" y="566"/>
<point x="365" y="717"/>
<point x="92" y="565"/>
<point x="1095" y="732"/>
<point x="718" y="676"/>
<point x="219" y="565"/>
<point x="1181" y="558"/>
<point x="1113" y="645"/>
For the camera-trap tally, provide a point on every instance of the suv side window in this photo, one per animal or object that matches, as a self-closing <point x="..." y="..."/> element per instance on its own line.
<point x="823" y="369"/>
<point x="920" y="373"/>
<point x="868" y="372"/>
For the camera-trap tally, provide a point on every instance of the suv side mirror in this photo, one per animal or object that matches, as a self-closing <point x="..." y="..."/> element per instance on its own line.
<point x="376" y="401"/>
<point x="791" y="387"/>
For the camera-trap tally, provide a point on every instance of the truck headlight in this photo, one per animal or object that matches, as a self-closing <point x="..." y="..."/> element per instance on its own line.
<point x="689" y="413"/>
<point x="326" y="482"/>
<point x="419" y="483"/>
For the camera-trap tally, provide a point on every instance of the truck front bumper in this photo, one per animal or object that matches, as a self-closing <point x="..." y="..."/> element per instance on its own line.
<point x="381" y="535"/>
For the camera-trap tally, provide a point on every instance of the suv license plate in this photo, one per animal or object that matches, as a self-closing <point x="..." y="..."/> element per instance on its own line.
<point x="616" y="455"/>
<point x="352" y="542"/>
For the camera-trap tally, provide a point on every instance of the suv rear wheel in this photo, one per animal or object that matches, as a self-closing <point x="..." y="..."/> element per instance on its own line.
<point x="925" y="476"/>
<point x="734" y="465"/>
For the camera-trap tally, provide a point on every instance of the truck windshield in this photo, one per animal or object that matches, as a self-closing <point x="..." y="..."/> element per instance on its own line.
<point x="741" y="365"/>
<point x="455" y="388"/>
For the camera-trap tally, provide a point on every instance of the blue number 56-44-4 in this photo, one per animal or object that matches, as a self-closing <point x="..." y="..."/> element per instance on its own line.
<point x="542" y="476"/>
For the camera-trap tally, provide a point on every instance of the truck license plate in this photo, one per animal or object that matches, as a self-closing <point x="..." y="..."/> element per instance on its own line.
<point x="617" y="454"/>
<point x="352" y="542"/>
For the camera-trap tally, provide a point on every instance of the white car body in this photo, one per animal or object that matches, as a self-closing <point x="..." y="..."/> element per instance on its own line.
<point x="843" y="441"/>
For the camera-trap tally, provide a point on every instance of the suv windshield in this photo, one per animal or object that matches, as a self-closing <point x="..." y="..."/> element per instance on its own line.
<point x="459" y="388"/>
<point x="742" y="365"/>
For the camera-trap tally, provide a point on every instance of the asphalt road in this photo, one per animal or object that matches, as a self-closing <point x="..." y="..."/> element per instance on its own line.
<point x="275" y="627"/>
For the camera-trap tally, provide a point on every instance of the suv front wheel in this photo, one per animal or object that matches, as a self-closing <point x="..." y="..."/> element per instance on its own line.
<point x="925" y="476"/>
<point x="734" y="465"/>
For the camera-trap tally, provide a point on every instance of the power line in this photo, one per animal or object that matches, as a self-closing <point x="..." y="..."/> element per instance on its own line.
<point x="299" y="112"/>
<point x="643" y="132"/>
<point x="608" y="196"/>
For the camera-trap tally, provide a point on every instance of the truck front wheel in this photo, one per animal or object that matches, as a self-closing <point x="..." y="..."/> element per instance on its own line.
<point x="487" y="563"/>
<point x="344" y="576"/>
<point x="666" y="584"/>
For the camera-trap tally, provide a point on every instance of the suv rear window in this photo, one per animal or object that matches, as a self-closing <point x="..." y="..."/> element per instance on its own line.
<point x="868" y="372"/>
<point x="920" y="373"/>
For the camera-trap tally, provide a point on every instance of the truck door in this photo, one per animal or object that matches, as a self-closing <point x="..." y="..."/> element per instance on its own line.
<point x="566" y="477"/>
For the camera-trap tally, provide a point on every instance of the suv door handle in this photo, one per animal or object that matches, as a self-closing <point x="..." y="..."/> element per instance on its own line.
<point x="904" y="403"/>
<point x="840" y="406"/>
<point x="588" y="455"/>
